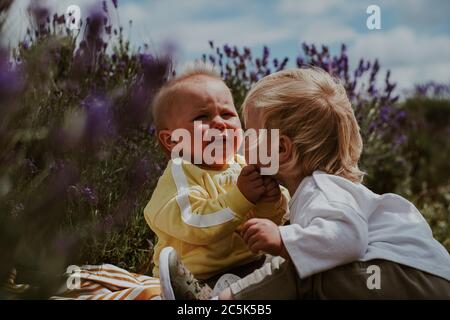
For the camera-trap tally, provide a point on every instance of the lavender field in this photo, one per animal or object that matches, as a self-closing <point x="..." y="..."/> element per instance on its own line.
<point x="79" y="158"/>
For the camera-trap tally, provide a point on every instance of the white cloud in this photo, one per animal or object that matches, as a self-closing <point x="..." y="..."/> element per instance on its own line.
<point x="407" y="76"/>
<point x="403" y="46"/>
<point x="411" y="56"/>
<point x="152" y="24"/>
<point x="326" y="32"/>
<point x="194" y="39"/>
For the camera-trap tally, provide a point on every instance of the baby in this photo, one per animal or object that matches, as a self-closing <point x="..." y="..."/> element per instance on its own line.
<point x="199" y="204"/>
<point x="343" y="241"/>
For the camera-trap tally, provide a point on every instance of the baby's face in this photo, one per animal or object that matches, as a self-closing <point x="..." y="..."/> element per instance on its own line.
<point x="204" y="103"/>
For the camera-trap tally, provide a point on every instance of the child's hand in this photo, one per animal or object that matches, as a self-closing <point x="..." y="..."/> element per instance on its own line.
<point x="273" y="192"/>
<point x="263" y="235"/>
<point x="250" y="183"/>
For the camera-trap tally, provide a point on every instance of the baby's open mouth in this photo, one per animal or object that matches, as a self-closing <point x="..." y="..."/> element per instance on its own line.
<point x="222" y="139"/>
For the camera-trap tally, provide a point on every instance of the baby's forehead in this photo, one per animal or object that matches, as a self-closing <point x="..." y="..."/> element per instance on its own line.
<point x="200" y="82"/>
<point x="200" y="88"/>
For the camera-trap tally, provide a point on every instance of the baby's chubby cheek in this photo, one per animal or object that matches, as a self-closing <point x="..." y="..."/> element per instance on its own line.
<point x="209" y="145"/>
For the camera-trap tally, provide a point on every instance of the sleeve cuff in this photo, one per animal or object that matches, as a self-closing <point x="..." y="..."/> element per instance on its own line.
<point x="268" y="209"/>
<point x="288" y="236"/>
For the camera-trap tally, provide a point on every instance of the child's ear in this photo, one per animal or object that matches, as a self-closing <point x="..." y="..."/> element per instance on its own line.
<point x="285" y="149"/>
<point x="165" y="138"/>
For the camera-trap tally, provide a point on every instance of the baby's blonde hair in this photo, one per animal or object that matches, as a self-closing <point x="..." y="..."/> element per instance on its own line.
<point x="312" y="109"/>
<point x="165" y="96"/>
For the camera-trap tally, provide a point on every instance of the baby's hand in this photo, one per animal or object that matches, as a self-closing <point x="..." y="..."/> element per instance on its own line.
<point x="263" y="235"/>
<point x="250" y="183"/>
<point x="273" y="192"/>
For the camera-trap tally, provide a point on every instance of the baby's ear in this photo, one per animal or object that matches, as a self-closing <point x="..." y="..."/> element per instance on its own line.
<point x="165" y="139"/>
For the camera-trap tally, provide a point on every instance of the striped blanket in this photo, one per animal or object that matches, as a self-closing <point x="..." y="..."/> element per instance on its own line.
<point x="108" y="282"/>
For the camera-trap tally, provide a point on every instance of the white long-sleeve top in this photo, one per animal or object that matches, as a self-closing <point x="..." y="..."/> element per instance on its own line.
<point x="335" y="221"/>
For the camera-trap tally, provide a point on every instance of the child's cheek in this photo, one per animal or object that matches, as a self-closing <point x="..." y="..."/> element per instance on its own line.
<point x="252" y="150"/>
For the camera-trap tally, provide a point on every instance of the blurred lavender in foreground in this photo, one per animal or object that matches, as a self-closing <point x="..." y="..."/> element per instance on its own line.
<point x="76" y="149"/>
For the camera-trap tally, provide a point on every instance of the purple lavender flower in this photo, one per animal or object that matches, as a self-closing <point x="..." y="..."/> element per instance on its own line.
<point x="385" y="113"/>
<point x="11" y="81"/>
<point x="89" y="195"/>
<point x="400" y="115"/>
<point x="235" y="52"/>
<point x="227" y="50"/>
<point x="305" y="48"/>
<point x="432" y="89"/>
<point x="59" y="19"/>
<point x="104" y="6"/>
<point x="275" y="63"/>
<point x="266" y="54"/>
<point x="139" y="174"/>
<point x="156" y="70"/>
<point x="258" y="63"/>
<point x="247" y="52"/>
<point x="98" y="122"/>
<point x="115" y="3"/>
<point x="151" y="129"/>
<point x="400" y="140"/>
<point x="25" y="44"/>
<point x="40" y="15"/>
<point x="96" y="21"/>
<point x="283" y="63"/>
<point x="31" y="166"/>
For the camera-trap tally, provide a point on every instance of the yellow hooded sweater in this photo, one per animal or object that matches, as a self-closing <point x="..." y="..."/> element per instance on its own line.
<point x="198" y="212"/>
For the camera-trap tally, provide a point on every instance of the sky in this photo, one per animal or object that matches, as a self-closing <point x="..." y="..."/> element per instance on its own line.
<point x="413" y="42"/>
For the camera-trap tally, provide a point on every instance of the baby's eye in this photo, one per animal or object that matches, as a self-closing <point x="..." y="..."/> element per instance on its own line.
<point x="228" y="115"/>
<point x="201" y="117"/>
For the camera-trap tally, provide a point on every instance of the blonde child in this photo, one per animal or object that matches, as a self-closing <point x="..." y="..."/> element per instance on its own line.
<point x="343" y="241"/>
<point x="198" y="208"/>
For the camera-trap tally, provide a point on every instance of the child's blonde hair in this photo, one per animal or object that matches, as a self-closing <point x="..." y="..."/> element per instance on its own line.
<point x="312" y="109"/>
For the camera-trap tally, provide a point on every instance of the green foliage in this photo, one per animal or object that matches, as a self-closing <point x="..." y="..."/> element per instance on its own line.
<point x="428" y="142"/>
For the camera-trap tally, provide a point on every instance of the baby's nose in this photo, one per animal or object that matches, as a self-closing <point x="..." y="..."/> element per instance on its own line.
<point x="218" y="123"/>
